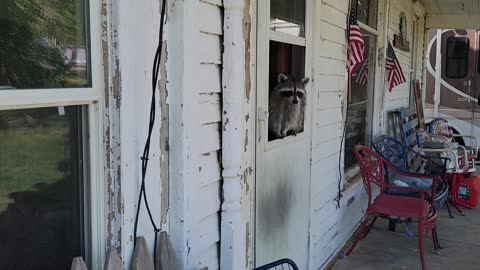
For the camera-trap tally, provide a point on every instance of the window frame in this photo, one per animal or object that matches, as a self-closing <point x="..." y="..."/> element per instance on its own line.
<point x="91" y="98"/>
<point x="263" y="60"/>
<point x="352" y="171"/>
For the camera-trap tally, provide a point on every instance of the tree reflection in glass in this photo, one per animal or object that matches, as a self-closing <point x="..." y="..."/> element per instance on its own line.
<point x="43" y="44"/>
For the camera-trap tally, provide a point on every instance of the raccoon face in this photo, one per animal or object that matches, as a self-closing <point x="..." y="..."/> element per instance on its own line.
<point x="291" y="89"/>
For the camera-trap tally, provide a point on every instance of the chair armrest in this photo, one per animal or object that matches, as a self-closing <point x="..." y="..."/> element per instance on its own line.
<point x="441" y="137"/>
<point x="430" y="158"/>
<point x="422" y="192"/>
<point x="435" y="178"/>
<point x="465" y="153"/>
<point x="444" y="150"/>
<point x="475" y="139"/>
<point x="415" y="190"/>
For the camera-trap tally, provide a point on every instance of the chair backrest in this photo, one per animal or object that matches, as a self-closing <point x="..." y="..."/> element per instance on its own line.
<point x="371" y="167"/>
<point x="440" y="126"/>
<point x="405" y="124"/>
<point x="422" y="137"/>
<point x="392" y="150"/>
<point x="282" y="264"/>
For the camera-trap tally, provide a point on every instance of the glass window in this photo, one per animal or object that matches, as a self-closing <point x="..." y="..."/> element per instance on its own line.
<point x="287" y="81"/>
<point x="359" y="93"/>
<point x="367" y="12"/>
<point x="41" y="188"/>
<point x="288" y="17"/>
<point x="43" y="44"/>
<point x="457" y="57"/>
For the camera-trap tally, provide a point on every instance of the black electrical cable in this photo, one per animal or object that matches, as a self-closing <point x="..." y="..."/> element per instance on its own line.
<point x="146" y="149"/>
<point x="339" y="192"/>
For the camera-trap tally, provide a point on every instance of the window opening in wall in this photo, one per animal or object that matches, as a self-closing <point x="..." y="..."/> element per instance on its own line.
<point x="288" y="17"/>
<point x="41" y="188"/>
<point x="44" y="44"/>
<point x="287" y="82"/>
<point x="47" y="211"/>
<point x="359" y="101"/>
<point x="366" y="12"/>
<point x="457" y="57"/>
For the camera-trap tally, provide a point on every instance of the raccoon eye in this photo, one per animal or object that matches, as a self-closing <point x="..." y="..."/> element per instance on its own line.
<point x="287" y="93"/>
<point x="299" y="94"/>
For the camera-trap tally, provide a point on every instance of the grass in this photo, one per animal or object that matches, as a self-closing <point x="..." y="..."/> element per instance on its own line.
<point x="28" y="156"/>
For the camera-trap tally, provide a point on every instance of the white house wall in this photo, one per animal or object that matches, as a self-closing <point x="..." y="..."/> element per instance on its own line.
<point x="130" y="37"/>
<point x="190" y="192"/>
<point x="330" y="226"/>
<point x="399" y="97"/>
<point x="195" y="123"/>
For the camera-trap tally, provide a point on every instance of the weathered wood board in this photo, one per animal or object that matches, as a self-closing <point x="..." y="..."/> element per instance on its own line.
<point x="141" y="258"/>
<point x="419" y="104"/>
<point x="78" y="264"/>
<point x="113" y="261"/>
<point x="165" y="255"/>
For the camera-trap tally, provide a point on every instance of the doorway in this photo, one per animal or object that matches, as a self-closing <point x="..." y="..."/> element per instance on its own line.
<point x="282" y="188"/>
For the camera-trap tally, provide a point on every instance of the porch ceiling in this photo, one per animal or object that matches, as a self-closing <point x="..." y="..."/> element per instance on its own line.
<point x="459" y="14"/>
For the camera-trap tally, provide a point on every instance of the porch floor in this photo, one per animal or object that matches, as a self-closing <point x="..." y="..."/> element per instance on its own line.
<point x="382" y="249"/>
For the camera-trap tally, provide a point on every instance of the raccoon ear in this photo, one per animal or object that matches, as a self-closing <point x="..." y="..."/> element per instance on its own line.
<point x="305" y="80"/>
<point x="282" y="78"/>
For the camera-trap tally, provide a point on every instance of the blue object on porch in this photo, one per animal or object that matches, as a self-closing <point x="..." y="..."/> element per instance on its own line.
<point x="410" y="161"/>
<point x="405" y="159"/>
<point x="280" y="264"/>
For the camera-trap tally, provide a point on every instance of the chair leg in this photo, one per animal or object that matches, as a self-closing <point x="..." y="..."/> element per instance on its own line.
<point x="392" y="225"/>
<point x="449" y="210"/>
<point x="359" y="234"/>
<point x="420" y="245"/>
<point x="458" y="208"/>
<point x="434" y="238"/>
<point x="436" y="242"/>
<point x="369" y="227"/>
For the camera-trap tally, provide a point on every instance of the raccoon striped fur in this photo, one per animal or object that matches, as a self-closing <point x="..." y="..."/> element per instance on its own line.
<point x="286" y="107"/>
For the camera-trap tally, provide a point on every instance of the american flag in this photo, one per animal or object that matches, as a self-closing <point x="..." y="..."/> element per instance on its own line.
<point x="356" y="45"/>
<point x="362" y="76"/>
<point x="394" y="70"/>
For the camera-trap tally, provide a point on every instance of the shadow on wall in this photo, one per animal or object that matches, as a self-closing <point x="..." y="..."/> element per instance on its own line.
<point x="40" y="229"/>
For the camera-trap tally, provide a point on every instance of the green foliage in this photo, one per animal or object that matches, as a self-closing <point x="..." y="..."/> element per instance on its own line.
<point x="30" y="34"/>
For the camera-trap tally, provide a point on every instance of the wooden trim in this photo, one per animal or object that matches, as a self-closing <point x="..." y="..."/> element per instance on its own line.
<point x="286" y="38"/>
<point x="368" y="29"/>
<point x="419" y="104"/>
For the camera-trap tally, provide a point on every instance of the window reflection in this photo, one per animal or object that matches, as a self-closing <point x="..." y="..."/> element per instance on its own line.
<point x="43" y="44"/>
<point x="288" y="17"/>
<point x="358" y="94"/>
<point x="366" y="12"/>
<point x="41" y="205"/>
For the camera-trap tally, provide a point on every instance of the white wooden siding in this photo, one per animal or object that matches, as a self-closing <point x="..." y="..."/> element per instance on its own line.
<point x="205" y="193"/>
<point x="330" y="226"/>
<point x="399" y="97"/>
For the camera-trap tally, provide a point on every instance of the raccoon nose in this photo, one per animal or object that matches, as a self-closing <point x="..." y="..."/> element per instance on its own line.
<point x="295" y="101"/>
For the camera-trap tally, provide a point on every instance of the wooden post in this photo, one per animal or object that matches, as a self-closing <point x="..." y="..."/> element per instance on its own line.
<point x="419" y="104"/>
<point x="438" y="73"/>
<point x="233" y="230"/>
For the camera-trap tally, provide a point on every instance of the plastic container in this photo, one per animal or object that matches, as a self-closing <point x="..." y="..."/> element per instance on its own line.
<point x="467" y="189"/>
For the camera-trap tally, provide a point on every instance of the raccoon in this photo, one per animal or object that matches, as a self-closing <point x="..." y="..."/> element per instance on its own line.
<point x="286" y="107"/>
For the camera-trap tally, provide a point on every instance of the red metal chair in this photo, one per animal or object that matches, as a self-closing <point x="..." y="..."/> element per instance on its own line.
<point x="372" y="167"/>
